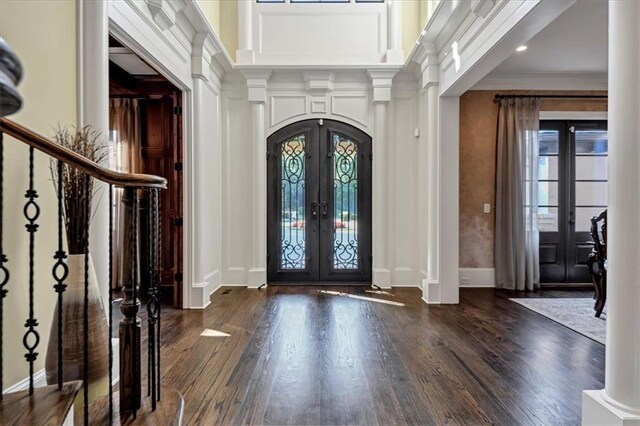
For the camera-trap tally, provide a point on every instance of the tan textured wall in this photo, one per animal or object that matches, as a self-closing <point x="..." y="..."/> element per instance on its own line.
<point x="48" y="56"/>
<point x="478" y="122"/>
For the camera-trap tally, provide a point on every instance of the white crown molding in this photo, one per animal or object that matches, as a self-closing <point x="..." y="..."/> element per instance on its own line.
<point x="163" y="14"/>
<point x="381" y="81"/>
<point x="544" y="81"/>
<point x="481" y="8"/>
<point x="319" y="82"/>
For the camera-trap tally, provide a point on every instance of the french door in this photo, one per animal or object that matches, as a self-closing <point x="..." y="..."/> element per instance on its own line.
<point x="319" y="203"/>
<point x="572" y="187"/>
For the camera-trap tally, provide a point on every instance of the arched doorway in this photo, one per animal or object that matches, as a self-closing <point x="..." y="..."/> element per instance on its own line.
<point x="319" y="204"/>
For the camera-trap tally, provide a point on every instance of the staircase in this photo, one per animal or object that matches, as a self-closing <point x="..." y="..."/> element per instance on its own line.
<point x="71" y="398"/>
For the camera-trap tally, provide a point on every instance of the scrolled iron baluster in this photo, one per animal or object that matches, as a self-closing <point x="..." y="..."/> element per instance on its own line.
<point x="31" y="213"/>
<point x="60" y="273"/>
<point x="4" y="279"/>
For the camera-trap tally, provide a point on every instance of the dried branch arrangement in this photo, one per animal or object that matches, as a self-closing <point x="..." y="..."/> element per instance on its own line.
<point x="77" y="186"/>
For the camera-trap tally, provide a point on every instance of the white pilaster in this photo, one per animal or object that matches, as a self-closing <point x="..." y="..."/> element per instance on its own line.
<point x="257" y="95"/>
<point x="93" y="91"/>
<point x="619" y="402"/>
<point x="394" y="32"/>
<point x="244" y="54"/>
<point x="431" y="287"/>
<point x="448" y="198"/>
<point x="381" y="82"/>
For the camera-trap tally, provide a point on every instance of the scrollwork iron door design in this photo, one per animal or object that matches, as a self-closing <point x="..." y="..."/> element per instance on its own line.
<point x="319" y="203"/>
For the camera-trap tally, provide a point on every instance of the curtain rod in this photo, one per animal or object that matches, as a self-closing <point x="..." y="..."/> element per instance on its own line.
<point x="498" y="97"/>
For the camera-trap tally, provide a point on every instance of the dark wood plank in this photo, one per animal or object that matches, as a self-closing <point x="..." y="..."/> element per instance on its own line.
<point x="296" y="355"/>
<point x="47" y="405"/>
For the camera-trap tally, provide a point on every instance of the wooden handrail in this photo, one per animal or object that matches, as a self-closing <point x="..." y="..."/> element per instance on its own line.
<point x="76" y="160"/>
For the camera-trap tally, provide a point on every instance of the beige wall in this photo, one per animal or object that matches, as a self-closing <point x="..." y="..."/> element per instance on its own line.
<point x="229" y="26"/>
<point x="211" y="10"/>
<point x="478" y="122"/>
<point x="223" y="17"/>
<point x="410" y="24"/>
<point x="43" y="35"/>
<point x="415" y="15"/>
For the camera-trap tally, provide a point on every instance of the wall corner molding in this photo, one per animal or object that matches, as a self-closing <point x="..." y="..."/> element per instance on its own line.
<point x="477" y="277"/>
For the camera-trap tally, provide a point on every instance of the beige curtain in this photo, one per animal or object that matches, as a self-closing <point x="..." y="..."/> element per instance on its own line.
<point x="125" y="137"/>
<point x="517" y="234"/>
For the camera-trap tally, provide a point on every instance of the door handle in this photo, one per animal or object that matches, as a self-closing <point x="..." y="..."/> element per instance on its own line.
<point x="325" y="209"/>
<point x="314" y="210"/>
<point x="571" y="217"/>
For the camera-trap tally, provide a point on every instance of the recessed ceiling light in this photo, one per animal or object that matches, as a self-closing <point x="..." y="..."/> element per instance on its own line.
<point x="521" y="48"/>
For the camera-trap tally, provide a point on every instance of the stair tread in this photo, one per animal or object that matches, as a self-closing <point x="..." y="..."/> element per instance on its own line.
<point x="47" y="405"/>
<point x="169" y="410"/>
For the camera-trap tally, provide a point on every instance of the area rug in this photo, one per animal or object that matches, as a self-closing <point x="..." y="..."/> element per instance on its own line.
<point x="576" y="314"/>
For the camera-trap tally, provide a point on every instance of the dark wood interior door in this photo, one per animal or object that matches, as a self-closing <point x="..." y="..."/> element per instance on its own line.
<point x="162" y="156"/>
<point x="319" y="203"/>
<point x="572" y="187"/>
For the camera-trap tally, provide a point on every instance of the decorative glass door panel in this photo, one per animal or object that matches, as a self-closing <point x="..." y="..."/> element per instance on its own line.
<point x="292" y="182"/>
<point x="345" y="199"/>
<point x="319" y="203"/>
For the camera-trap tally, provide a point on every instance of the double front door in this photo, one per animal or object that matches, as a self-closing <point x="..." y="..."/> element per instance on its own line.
<point x="572" y="188"/>
<point x="319" y="203"/>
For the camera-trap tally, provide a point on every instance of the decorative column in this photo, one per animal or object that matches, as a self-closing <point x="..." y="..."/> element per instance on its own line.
<point x="244" y="55"/>
<point x="394" y="32"/>
<point x="257" y="86"/>
<point x="619" y="402"/>
<point x="93" y="109"/>
<point x="381" y="82"/>
<point x="430" y="80"/>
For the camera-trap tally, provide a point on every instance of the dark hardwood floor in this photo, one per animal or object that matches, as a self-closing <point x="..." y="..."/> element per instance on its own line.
<point x="296" y="355"/>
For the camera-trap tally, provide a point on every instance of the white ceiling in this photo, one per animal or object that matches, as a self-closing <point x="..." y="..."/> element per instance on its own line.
<point x="576" y="42"/>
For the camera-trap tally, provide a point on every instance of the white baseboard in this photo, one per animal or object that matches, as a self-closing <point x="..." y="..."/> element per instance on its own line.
<point x="403" y="277"/>
<point x="431" y="292"/>
<point x="39" y="380"/>
<point x="477" y="277"/>
<point x="201" y="292"/>
<point x="40" y="377"/>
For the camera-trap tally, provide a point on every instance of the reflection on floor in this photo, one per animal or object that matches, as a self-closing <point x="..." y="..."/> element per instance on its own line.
<point x="297" y="355"/>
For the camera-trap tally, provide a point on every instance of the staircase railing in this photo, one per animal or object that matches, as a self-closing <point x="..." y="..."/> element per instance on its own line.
<point x="132" y="185"/>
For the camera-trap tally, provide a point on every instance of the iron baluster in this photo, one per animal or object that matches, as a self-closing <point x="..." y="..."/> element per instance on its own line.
<point x="60" y="272"/>
<point x="152" y="304"/>
<point x="3" y="259"/>
<point x="110" y="303"/>
<point x="85" y="317"/>
<point x="31" y="212"/>
<point x="158" y="279"/>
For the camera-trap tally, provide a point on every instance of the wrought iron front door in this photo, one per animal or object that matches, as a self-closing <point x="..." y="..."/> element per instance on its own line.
<point x="319" y="203"/>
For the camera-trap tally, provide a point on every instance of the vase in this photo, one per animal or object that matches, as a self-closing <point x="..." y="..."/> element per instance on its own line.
<point x="73" y="332"/>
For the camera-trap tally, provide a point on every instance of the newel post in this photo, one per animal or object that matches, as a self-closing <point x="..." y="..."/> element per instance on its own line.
<point x="130" y="379"/>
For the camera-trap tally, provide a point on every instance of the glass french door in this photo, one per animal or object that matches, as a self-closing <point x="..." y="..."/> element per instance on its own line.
<point x="572" y="188"/>
<point x="319" y="203"/>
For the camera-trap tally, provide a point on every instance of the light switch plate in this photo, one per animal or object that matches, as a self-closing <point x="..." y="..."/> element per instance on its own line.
<point x="487" y="208"/>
